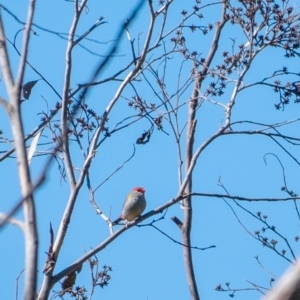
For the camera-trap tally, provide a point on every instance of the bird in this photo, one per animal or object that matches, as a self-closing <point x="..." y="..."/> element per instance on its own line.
<point x="133" y="206"/>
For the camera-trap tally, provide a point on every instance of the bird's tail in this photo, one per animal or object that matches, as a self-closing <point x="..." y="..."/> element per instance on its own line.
<point x="117" y="221"/>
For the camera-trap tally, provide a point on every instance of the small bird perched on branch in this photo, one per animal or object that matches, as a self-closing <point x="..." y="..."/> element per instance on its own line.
<point x="133" y="206"/>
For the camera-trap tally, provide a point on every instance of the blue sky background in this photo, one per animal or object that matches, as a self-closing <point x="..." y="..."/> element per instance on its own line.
<point x="147" y="265"/>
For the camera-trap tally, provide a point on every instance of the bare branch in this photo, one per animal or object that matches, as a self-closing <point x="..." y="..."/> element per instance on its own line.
<point x="65" y="98"/>
<point x="4" y="59"/>
<point x="12" y="221"/>
<point x="288" y="287"/>
<point x="176" y="242"/>
<point x="17" y="284"/>
<point x="26" y="38"/>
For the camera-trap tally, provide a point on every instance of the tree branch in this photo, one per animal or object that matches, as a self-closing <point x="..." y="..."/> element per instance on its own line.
<point x="288" y="287"/>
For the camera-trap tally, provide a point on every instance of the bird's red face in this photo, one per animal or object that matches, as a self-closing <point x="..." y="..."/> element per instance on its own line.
<point x="139" y="189"/>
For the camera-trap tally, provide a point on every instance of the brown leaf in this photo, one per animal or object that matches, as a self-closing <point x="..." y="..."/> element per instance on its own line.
<point x="69" y="281"/>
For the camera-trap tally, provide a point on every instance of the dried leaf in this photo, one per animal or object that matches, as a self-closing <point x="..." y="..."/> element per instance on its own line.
<point x="27" y="88"/>
<point x="68" y="282"/>
<point x="33" y="145"/>
<point x="78" y="270"/>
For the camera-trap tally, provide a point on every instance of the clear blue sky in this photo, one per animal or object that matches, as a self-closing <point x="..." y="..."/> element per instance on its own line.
<point x="146" y="264"/>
